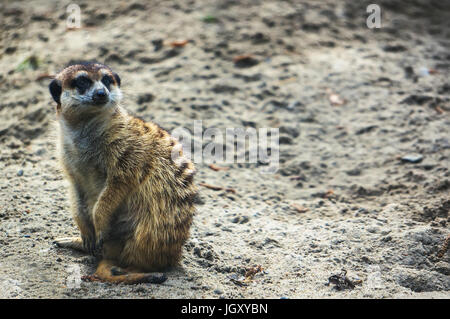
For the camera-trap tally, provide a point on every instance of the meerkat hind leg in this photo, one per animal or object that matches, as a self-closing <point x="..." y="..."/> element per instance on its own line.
<point x="107" y="271"/>
<point x="70" y="242"/>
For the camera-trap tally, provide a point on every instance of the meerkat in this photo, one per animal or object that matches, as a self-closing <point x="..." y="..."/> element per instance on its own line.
<point x="132" y="190"/>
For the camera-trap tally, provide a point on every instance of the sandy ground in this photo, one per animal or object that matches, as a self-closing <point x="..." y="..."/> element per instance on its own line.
<point x="349" y="101"/>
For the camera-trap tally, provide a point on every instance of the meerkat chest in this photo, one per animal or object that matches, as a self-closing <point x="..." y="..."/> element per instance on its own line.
<point x="83" y="157"/>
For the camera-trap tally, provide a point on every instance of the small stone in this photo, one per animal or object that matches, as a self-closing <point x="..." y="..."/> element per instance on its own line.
<point x="354" y="172"/>
<point x="209" y="255"/>
<point x="145" y="98"/>
<point x="424" y="71"/>
<point x="20" y="172"/>
<point x="285" y="140"/>
<point x="197" y="252"/>
<point x="291" y="131"/>
<point x="386" y="239"/>
<point x="244" y="219"/>
<point x="245" y="61"/>
<point x="412" y="158"/>
<point x="157" y="44"/>
<point x="10" y="50"/>
<point x="260" y="38"/>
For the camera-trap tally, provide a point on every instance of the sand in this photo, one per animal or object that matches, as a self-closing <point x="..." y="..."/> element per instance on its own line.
<point x="349" y="103"/>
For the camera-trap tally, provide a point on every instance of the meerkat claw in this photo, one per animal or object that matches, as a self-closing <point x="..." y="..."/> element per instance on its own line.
<point x="62" y="242"/>
<point x="69" y="242"/>
<point x="155" y="278"/>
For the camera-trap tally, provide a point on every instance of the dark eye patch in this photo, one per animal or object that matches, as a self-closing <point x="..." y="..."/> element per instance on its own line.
<point x="107" y="81"/>
<point x="82" y="83"/>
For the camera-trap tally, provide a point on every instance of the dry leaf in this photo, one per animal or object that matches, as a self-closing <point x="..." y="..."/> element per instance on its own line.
<point x="439" y="110"/>
<point x="179" y="43"/>
<point x="239" y="58"/>
<point x="328" y="193"/>
<point x="299" y="208"/>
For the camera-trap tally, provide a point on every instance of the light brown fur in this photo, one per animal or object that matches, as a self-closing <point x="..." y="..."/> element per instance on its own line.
<point x="131" y="198"/>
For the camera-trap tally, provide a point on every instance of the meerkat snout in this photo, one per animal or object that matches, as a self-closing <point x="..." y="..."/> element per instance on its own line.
<point x="100" y="97"/>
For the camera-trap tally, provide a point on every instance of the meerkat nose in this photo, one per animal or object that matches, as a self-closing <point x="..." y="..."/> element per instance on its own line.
<point x="100" y="96"/>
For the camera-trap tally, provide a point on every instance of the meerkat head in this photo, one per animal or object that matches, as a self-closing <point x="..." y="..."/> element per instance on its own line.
<point x="85" y="88"/>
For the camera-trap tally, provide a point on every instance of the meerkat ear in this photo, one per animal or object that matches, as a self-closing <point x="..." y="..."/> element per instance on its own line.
<point x="116" y="76"/>
<point x="55" y="90"/>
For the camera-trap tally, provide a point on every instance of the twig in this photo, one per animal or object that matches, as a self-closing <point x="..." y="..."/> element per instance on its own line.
<point x="218" y="188"/>
<point x="45" y="76"/>
<point x="218" y="168"/>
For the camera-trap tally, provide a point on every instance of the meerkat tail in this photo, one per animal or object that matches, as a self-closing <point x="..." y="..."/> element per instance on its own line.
<point x="107" y="272"/>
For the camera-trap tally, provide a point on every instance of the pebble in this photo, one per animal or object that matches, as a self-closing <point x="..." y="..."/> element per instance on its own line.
<point x="424" y="71"/>
<point x="20" y="172"/>
<point x="412" y="158"/>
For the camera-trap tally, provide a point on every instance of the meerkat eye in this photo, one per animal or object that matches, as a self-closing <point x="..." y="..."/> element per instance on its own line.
<point x="107" y="81"/>
<point x="82" y="83"/>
